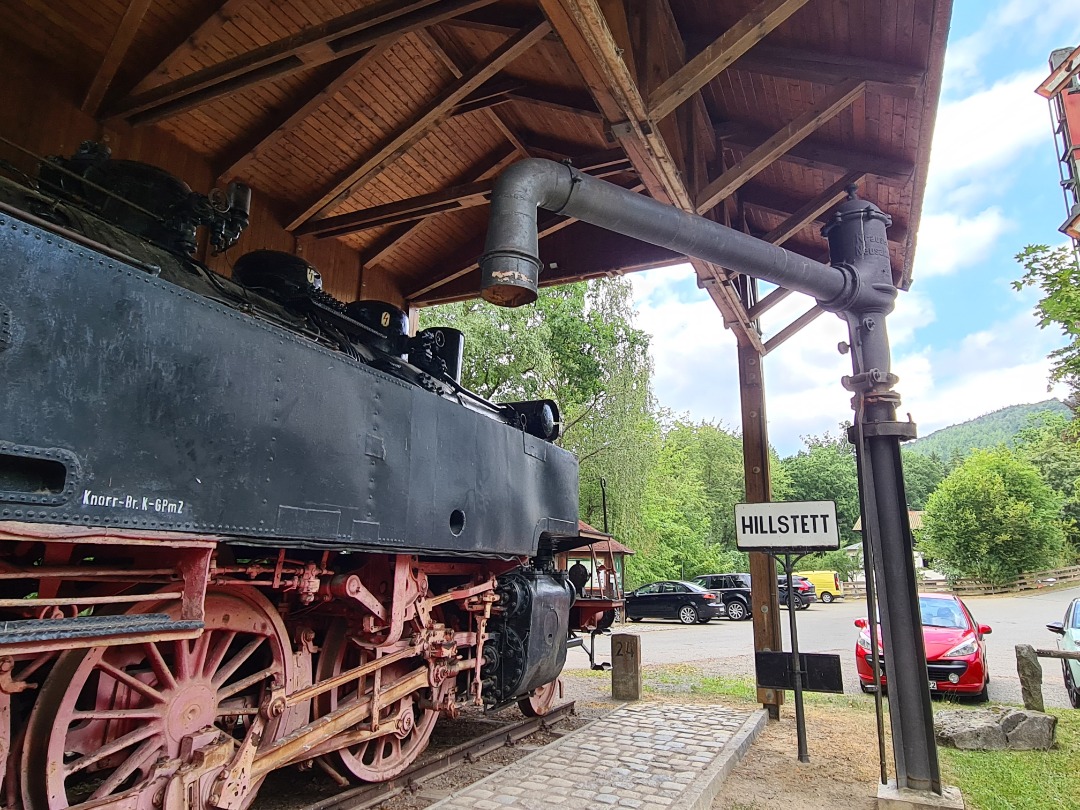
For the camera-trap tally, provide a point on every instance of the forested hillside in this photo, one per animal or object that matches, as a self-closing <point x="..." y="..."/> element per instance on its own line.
<point x="999" y="427"/>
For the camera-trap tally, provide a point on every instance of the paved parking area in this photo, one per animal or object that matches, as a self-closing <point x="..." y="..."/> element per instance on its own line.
<point x="642" y="755"/>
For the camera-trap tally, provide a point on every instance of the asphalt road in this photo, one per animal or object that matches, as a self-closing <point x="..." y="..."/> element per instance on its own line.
<point x="728" y="646"/>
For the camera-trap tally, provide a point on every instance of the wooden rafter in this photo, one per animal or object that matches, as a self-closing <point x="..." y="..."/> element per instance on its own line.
<point x="814" y="154"/>
<point x="396" y="235"/>
<point x="114" y="56"/>
<point x="828" y="68"/>
<point x="718" y="55"/>
<point x="778" y="204"/>
<point x="556" y="99"/>
<point x="781" y="141"/>
<point x="454" y="198"/>
<point x="266" y="138"/>
<point x="813" y="209"/>
<point x="768" y="302"/>
<point x="793" y="328"/>
<point x="205" y="31"/>
<point x="585" y="34"/>
<point x="421" y="124"/>
<point x="316" y="45"/>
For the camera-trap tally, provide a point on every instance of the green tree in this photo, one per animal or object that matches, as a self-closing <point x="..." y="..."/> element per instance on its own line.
<point x="1056" y="272"/>
<point x="825" y="471"/>
<point x="922" y="474"/>
<point x="993" y="518"/>
<point x="1050" y="444"/>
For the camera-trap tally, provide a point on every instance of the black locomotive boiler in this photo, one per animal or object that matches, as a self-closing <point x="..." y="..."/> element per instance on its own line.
<point x="244" y="525"/>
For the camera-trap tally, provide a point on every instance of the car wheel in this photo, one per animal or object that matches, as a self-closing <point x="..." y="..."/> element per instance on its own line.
<point x="801" y="604"/>
<point x="1070" y="687"/>
<point x="827" y="598"/>
<point x="688" y="614"/>
<point x="736" y="611"/>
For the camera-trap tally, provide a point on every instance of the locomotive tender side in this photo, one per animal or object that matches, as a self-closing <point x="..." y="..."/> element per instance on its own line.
<point x="244" y="525"/>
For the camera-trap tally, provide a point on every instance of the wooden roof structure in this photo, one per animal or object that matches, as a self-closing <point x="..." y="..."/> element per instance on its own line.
<point x="371" y="130"/>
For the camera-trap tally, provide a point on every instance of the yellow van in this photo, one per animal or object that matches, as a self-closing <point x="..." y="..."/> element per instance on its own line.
<point x="828" y="584"/>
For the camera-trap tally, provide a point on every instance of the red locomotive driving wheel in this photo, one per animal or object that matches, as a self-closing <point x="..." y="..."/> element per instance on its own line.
<point x="107" y="715"/>
<point x="407" y="722"/>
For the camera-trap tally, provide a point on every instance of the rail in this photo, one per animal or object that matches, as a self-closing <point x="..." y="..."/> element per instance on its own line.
<point x="367" y="796"/>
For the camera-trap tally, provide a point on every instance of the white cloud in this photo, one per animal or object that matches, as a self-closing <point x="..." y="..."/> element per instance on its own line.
<point x="979" y="136"/>
<point x="696" y="367"/>
<point x="949" y="241"/>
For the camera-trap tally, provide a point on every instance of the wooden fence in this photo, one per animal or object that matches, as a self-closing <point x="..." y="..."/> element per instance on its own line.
<point x="974" y="587"/>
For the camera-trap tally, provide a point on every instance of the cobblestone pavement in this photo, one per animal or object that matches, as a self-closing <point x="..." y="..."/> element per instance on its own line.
<point x="643" y="755"/>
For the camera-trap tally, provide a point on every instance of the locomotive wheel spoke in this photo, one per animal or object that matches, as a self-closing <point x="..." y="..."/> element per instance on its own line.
<point x="138" y="758"/>
<point x="388" y="755"/>
<point x="212" y="662"/>
<point x="106" y="715"/>
<point x="117" y="745"/>
<point x="245" y="683"/>
<point x="157" y="663"/>
<point x="227" y="671"/>
<point x="135" y="684"/>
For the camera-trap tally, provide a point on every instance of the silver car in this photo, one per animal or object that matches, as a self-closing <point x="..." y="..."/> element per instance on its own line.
<point x="1069" y="630"/>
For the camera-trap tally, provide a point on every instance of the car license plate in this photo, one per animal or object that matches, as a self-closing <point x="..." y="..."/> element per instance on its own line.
<point x="933" y="686"/>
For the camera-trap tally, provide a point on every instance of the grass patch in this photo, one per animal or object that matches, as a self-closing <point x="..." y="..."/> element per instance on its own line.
<point x="1019" y="780"/>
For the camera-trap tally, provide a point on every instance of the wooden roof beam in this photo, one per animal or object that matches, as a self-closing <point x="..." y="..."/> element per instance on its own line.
<point x="421" y="124"/>
<point x="718" y="55"/>
<point x="396" y="235"/>
<point x="812" y="209"/>
<point x="316" y="45"/>
<point x="587" y="37"/>
<point x="781" y="205"/>
<point x="207" y="28"/>
<point x="768" y="302"/>
<point x="793" y="328"/>
<point x="114" y="56"/>
<point x="828" y="68"/>
<point x="467" y="195"/>
<point x="265" y="140"/>
<point x="814" y="154"/>
<point x="557" y="99"/>
<point x="781" y="141"/>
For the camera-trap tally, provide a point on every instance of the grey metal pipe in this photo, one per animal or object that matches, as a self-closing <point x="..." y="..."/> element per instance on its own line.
<point x="511" y="257"/>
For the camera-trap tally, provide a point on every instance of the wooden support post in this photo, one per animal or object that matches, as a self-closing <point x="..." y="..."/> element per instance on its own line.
<point x="764" y="593"/>
<point x="626" y="666"/>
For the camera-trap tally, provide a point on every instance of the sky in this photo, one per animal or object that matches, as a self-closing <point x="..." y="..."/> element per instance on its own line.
<point x="964" y="342"/>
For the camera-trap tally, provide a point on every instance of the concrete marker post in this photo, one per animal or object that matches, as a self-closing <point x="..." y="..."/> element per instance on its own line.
<point x="626" y="666"/>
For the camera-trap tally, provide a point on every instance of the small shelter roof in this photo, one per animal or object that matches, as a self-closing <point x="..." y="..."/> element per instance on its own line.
<point x="914" y="520"/>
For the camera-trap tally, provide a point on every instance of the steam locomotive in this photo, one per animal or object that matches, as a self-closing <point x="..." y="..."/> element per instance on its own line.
<point x="244" y="525"/>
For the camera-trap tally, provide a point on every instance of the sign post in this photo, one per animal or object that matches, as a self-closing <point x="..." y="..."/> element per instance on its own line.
<point x="787" y="529"/>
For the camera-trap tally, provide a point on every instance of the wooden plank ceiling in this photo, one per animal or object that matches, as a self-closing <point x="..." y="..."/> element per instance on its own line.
<point x="381" y="123"/>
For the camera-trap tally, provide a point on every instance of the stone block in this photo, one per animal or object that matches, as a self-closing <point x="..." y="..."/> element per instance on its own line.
<point x="889" y="797"/>
<point x="626" y="666"/>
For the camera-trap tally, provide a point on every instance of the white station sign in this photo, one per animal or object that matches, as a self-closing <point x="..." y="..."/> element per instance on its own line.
<point x="793" y="526"/>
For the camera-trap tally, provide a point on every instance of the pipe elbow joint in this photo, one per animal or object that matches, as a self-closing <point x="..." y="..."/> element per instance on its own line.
<point x="510" y="265"/>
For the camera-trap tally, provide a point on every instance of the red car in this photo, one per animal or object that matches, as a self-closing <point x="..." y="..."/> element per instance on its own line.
<point x="955" y="650"/>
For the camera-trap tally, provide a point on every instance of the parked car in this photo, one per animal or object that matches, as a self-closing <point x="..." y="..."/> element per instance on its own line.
<point x="804" y="590"/>
<point x="955" y="648"/>
<point x="828" y="584"/>
<point x="1069" y="630"/>
<point x="672" y="599"/>
<point x="733" y="591"/>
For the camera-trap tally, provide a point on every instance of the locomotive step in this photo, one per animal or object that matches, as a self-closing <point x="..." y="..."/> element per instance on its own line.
<point x="92" y="628"/>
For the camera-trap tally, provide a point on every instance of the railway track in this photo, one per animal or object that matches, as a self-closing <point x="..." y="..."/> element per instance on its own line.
<point x="367" y="796"/>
